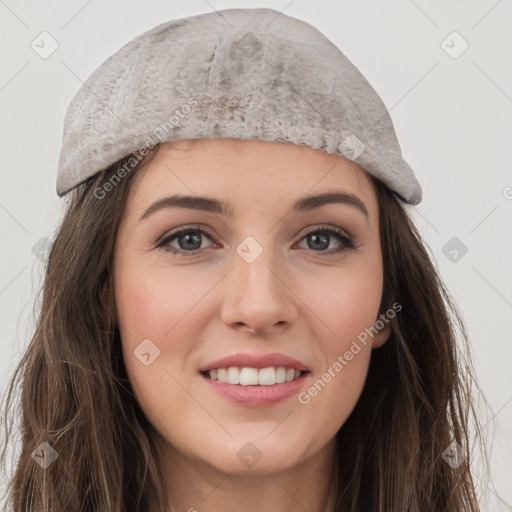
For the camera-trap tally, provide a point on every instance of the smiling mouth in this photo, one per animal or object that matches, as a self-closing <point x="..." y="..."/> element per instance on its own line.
<point x="247" y="376"/>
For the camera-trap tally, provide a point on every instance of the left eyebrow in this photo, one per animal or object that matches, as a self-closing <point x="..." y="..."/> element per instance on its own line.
<point x="211" y="205"/>
<point x="309" y="203"/>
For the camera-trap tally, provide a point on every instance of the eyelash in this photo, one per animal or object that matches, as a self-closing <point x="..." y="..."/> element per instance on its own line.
<point x="347" y="244"/>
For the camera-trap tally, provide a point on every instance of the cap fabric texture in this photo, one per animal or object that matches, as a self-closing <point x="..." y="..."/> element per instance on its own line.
<point x="237" y="73"/>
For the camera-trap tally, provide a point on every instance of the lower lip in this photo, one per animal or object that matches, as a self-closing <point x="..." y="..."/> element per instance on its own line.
<point x="257" y="396"/>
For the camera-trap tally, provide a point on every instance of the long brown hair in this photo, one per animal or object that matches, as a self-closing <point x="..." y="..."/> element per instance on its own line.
<point x="75" y="394"/>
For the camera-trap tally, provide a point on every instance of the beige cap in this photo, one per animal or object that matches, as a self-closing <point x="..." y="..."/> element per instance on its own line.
<point x="237" y="73"/>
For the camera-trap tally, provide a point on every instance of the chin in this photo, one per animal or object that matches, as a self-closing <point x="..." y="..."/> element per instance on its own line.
<point x="252" y="458"/>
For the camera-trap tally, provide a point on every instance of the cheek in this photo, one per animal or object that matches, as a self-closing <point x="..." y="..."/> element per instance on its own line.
<point x="330" y="397"/>
<point x="334" y="390"/>
<point x="150" y="304"/>
<point x="147" y="309"/>
<point x="348" y="307"/>
<point x="165" y="309"/>
<point x="347" y="304"/>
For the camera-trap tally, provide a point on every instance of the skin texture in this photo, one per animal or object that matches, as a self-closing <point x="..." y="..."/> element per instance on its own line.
<point x="293" y="299"/>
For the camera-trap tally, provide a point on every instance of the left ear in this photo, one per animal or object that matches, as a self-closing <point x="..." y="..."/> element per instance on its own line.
<point x="381" y="337"/>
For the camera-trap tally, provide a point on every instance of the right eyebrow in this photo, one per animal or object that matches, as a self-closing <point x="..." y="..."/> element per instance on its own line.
<point x="206" y="204"/>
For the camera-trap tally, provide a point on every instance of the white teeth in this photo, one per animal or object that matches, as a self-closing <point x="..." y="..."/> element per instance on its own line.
<point x="233" y="375"/>
<point x="281" y="375"/>
<point x="248" y="377"/>
<point x="264" y="377"/>
<point x="252" y="376"/>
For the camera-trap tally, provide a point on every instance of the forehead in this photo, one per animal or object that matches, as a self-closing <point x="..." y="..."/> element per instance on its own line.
<point x="248" y="173"/>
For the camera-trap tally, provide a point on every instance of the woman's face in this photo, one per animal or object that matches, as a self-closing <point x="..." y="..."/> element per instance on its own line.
<point x="257" y="274"/>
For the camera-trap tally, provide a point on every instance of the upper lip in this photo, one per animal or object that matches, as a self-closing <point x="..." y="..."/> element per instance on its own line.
<point x="255" y="361"/>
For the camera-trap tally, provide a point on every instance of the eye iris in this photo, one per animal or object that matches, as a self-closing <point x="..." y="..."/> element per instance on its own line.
<point x="194" y="238"/>
<point x="323" y="239"/>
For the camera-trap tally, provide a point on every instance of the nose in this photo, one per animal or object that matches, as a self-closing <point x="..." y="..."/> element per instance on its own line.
<point x="258" y="296"/>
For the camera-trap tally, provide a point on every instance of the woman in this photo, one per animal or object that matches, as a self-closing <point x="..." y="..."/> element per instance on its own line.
<point x="238" y="313"/>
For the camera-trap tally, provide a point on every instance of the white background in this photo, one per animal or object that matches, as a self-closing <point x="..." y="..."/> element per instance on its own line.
<point x="453" y="118"/>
